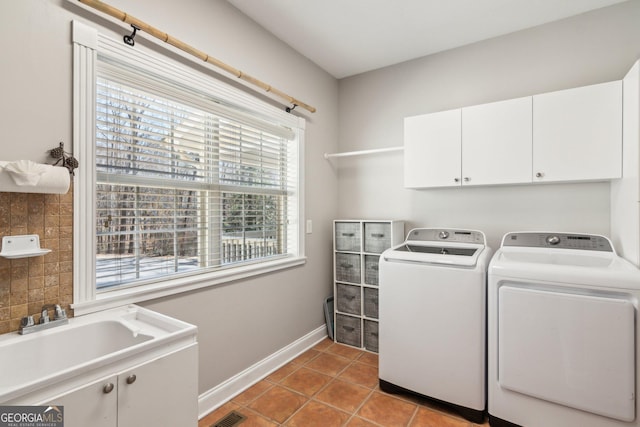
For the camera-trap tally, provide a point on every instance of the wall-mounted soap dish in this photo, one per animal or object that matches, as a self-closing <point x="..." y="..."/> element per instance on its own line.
<point x="22" y="246"/>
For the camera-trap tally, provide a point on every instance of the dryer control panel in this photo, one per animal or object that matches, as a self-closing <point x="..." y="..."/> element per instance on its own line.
<point x="585" y="242"/>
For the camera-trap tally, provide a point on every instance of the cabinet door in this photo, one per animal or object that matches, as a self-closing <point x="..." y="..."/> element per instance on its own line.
<point x="496" y="143"/>
<point x="161" y="393"/>
<point x="92" y="405"/>
<point x="577" y="134"/>
<point x="432" y="150"/>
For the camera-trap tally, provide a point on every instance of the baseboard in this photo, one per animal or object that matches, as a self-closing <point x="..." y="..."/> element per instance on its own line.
<point x="212" y="399"/>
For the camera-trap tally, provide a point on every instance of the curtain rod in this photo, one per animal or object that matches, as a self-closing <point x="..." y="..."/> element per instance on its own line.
<point x="143" y="26"/>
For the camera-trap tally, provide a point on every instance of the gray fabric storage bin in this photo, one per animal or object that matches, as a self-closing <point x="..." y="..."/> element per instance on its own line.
<point x="371" y="302"/>
<point x="371" y="269"/>
<point x="371" y="335"/>
<point x="347" y="236"/>
<point x="349" y="299"/>
<point x="348" y="268"/>
<point x="348" y="330"/>
<point x="377" y="237"/>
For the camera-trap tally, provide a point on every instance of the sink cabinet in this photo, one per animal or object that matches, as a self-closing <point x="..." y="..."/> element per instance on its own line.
<point x="162" y="393"/>
<point x="89" y="405"/>
<point x="122" y="367"/>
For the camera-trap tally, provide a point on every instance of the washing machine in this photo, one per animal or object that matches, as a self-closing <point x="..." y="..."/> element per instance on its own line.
<point x="562" y="333"/>
<point x="432" y="329"/>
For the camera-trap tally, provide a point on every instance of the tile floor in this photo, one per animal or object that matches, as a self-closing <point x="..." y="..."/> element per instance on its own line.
<point x="331" y="385"/>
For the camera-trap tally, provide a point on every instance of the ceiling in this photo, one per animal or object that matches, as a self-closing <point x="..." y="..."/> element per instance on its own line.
<point x="348" y="37"/>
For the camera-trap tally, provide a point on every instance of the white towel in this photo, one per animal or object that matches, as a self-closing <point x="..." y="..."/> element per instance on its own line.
<point x="26" y="172"/>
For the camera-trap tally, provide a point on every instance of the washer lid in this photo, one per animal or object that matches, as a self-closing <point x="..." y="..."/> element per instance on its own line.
<point x="439" y="246"/>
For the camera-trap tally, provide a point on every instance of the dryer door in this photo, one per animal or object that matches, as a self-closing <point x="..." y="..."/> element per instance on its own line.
<point x="569" y="348"/>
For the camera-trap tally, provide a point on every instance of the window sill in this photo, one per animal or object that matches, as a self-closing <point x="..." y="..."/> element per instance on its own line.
<point x="116" y="298"/>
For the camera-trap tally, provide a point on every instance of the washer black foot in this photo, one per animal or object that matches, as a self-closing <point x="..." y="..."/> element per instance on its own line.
<point x="473" y="415"/>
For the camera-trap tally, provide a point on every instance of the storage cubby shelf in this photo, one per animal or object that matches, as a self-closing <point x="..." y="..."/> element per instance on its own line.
<point x="357" y="248"/>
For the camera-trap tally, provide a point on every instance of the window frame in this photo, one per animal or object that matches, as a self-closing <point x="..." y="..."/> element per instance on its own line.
<point x="87" y="43"/>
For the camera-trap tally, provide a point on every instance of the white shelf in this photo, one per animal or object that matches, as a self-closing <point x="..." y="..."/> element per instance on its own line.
<point x="24" y="246"/>
<point x="363" y="152"/>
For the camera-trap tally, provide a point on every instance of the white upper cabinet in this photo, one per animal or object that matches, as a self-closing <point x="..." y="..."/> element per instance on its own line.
<point x="432" y="144"/>
<point x="577" y="134"/>
<point x="496" y="143"/>
<point x="569" y="135"/>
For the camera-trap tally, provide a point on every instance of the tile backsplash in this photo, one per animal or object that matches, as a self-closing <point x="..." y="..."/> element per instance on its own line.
<point x="26" y="284"/>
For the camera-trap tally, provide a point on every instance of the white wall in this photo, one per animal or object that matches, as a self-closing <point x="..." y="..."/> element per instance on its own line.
<point x="243" y="322"/>
<point x="591" y="48"/>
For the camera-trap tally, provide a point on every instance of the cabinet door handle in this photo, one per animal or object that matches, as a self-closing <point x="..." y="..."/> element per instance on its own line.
<point x="348" y="234"/>
<point x="467" y="179"/>
<point x="456" y="179"/>
<point x="131" y="379"/>
<point x="108" y="388"/>
<point x="539" y="174"/>
<point x="377" y="235"/>
<point x="346" y="265"/>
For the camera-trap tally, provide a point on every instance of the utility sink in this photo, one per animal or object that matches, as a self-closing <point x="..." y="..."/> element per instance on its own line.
<point x="35" y="361"/>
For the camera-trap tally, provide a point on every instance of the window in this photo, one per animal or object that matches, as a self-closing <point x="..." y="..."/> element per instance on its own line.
<point x="193" y="181"/>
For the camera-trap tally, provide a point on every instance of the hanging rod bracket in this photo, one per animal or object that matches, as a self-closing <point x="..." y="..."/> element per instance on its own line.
<point x="130" y="39"/>
<point x="290" y="109"/>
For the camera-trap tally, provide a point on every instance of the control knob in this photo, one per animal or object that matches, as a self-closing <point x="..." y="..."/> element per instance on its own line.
<point x="553" y="240"/>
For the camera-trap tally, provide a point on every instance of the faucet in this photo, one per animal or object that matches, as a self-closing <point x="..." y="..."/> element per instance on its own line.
<point x="27" y="324"/>
<point x="59" y="313"/>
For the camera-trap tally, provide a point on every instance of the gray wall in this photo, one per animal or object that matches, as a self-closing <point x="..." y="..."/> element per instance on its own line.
<point x="591" y="48"/>
<point x="243" y="322"/>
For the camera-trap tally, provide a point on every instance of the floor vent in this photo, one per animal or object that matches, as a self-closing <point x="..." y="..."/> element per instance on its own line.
<point x="232" y="419"/>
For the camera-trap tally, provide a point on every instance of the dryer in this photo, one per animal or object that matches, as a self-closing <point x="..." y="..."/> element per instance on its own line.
<point x="432" y="318"/>
<point x="562" y="333"/>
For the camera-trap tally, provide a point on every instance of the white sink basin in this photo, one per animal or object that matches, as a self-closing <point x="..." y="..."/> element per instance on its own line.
<point x="33" y="361"/>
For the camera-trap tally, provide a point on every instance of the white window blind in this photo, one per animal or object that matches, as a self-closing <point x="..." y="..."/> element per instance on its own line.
<point x="185" y="183"/>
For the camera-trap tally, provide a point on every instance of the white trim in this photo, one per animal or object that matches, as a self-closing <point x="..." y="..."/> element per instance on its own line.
<point x="84" y="240"/>
<point x="217" y="396"/>
<point x="132" y="295"/>
<point x="84" y="35"/>
<point x="87" y="43"/>
<point x="301" y="190"/>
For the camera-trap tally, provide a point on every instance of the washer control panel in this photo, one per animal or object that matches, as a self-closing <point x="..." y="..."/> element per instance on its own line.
<point x="585" y="242"/>
<point x="446" y="235"/>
